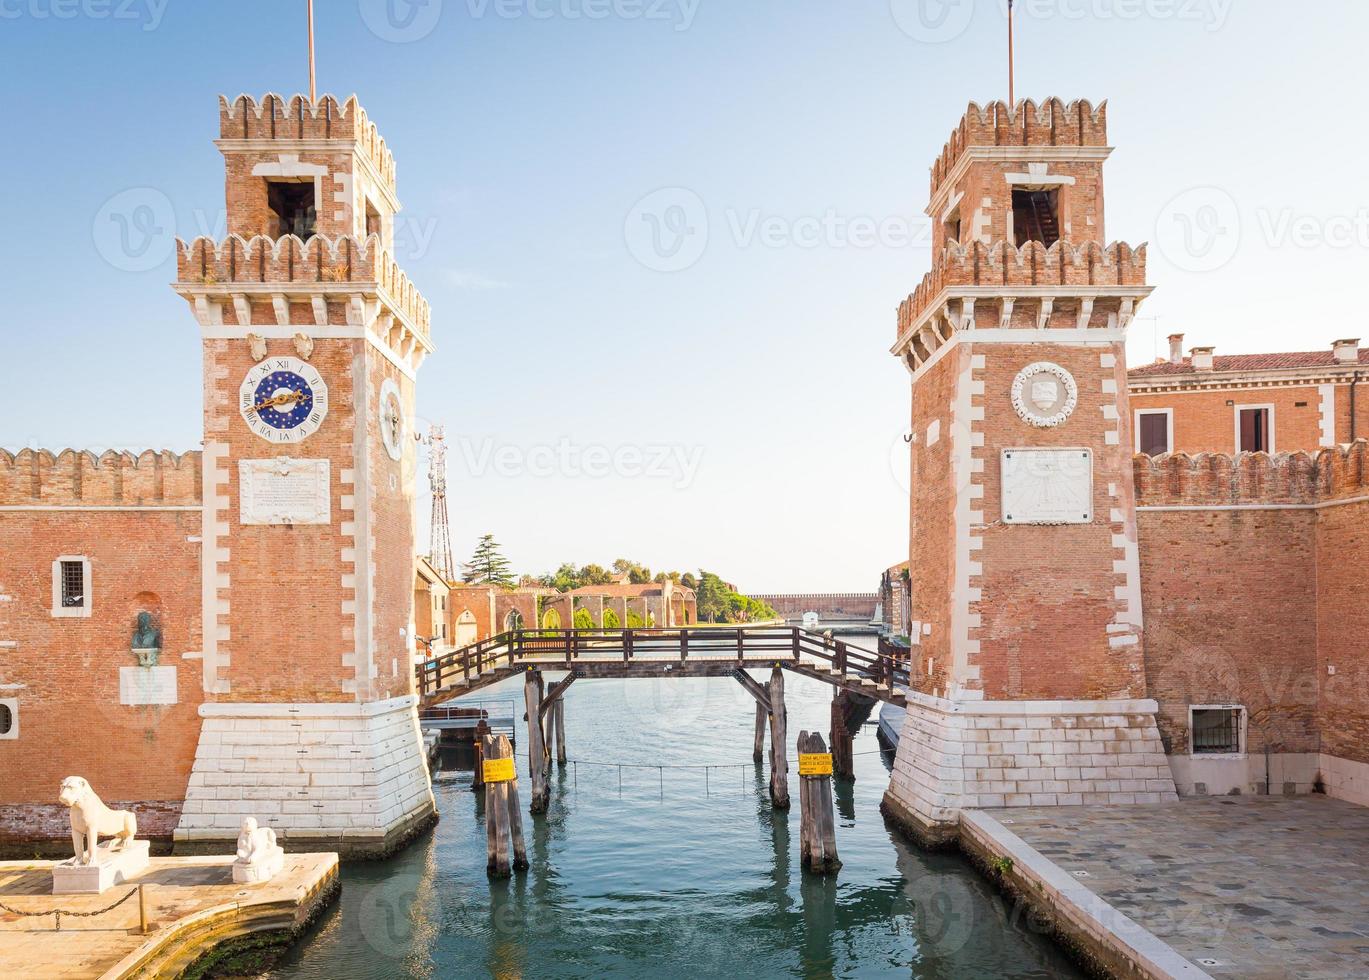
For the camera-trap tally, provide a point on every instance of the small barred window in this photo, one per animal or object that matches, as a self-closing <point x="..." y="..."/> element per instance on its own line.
<point x="73" y="584"/>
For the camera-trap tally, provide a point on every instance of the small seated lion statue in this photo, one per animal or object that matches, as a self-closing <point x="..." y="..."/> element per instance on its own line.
<point x="91" y="820"/>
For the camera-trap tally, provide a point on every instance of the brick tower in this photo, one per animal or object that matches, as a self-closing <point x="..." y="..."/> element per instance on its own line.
<point x="312" y="339"/>
<point x="1026" y="595"/>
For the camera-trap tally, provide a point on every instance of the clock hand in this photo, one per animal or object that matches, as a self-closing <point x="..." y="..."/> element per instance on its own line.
<point x="284" y="398"/>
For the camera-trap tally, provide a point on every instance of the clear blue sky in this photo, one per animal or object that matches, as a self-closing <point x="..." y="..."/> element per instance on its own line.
<point x="526" y="133"/>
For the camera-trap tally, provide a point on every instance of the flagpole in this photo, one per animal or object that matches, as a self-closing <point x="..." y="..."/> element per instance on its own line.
<point x="1012" y="93"/>
<point x="313" y="90"/>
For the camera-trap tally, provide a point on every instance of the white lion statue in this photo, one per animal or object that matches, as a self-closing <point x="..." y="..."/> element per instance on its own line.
<point x="91" y="820"/>
<point x="260" y="858"/>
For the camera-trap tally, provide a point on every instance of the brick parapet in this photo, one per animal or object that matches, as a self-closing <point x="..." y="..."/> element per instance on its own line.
<point x="79" y="478"/>
<point x="273" y="117"/>
<point x="289" y="261"/>
<point x="1252" y="479"/>
<point x="1004" y="266"/>
<point x="1025" y="124"/>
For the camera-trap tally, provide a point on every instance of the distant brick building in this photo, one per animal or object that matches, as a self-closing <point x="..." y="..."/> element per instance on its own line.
<point x="1090" y="625"/>
<point x="278" y="562"/>
<point x="1232" y="403"/>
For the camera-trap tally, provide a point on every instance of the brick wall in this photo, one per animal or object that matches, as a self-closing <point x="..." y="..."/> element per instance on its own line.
<point x="1253" y="580"/>
<point x="1205" y="423"/>
<point x="64" y="672"/>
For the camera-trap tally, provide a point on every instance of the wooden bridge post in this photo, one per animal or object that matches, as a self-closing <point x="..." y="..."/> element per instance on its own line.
<point x="762" y="718"/>
<point x="817" y="835"/>
<point x="843" y="752"/>
<point x="779" y="762"/>
<point x="537" y="751"/>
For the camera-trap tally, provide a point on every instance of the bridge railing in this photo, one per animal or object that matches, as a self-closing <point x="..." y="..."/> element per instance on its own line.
<point x="746" y="645"/>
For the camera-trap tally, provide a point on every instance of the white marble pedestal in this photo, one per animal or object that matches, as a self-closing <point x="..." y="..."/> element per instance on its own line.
<point x="260" y="870"/>
<point x="111" y="867"/>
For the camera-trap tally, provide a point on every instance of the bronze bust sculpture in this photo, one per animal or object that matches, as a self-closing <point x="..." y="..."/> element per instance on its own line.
<point x="147" y="641"/>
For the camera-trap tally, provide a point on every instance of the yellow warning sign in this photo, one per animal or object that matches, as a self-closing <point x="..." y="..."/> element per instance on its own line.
<point x="500" y="771"/>
<point x="815" y="764"/>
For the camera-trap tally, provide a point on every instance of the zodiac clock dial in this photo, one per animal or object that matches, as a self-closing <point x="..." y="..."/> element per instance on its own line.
<point x="283" y="400"/>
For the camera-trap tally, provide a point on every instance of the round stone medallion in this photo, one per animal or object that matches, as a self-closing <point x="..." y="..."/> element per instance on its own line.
<point x="1044" y="394"/>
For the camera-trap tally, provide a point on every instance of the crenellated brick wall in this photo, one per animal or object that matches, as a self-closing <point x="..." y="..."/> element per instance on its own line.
<point x="1253" y="584"/>
<point x="39" y="477"/>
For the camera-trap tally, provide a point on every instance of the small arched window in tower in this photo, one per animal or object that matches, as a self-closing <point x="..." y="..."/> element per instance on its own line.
<point x="295" y="209"/>
<point x="1035" y="216"/>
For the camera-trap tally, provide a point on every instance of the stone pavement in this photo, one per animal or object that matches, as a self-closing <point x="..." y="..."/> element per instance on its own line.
<point x="1250" y="887"/>
<point x="179" y="891"/>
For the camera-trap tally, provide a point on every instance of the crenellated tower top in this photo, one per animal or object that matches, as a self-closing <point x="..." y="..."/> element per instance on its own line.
<point x="1019" y="237"/>
<point x="276" y="152"/>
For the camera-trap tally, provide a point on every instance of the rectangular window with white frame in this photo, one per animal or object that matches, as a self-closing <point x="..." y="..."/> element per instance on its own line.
<point x="1155" y="431"/>
<point x="1255" y="429"/>
<point x="71" y="586"/>
<point x="1216" y="730"/>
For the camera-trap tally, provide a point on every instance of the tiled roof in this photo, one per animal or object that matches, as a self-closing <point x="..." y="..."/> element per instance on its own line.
<point x="1247" y="363"/>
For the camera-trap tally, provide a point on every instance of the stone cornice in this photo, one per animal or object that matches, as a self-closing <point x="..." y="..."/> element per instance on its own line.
<point x="1297" y="377"/>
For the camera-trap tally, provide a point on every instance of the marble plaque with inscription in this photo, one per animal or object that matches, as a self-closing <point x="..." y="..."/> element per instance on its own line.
<point x="284" y="491"/>
<point x="1047" y="486"/>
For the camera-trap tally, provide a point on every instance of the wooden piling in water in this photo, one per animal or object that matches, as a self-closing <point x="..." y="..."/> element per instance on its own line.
<point x="843" y="761"/>
<point x="779" y="762"/>
<point x="762" y="719"/>
<point x="537" y="752"/>
<point x="560" y="729"/>
<point x="482" y="729"/>
<point x="817" y="833"/>
<point x="503" y="821"/>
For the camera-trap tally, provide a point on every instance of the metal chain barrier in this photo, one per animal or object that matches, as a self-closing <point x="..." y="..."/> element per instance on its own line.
<point x="67" y="912"/>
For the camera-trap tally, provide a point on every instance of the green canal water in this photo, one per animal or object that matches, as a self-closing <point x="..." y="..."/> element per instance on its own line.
<point x="680" y="873"/>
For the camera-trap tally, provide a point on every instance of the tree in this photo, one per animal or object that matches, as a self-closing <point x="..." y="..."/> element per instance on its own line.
<point x="714" y="598"/>
<point x="488" y="566"/>
<point x="583" y="620"/>
<point x="611" y="620"/>
<point x="689" y="581"/>
<point x="637" y="574"/>
<point x="594" y="575"/>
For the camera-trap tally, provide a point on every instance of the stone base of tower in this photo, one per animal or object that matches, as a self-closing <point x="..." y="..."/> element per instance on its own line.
<point x="350" y="778"/>
<point x="957" y="755"/>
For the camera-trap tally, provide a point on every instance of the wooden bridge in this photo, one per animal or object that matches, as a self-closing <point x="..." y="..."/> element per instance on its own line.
<point x="644" y="653"/>
<point x="860" y="678"/>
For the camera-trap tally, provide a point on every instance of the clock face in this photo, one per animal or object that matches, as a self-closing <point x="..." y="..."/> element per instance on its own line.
<point x="392" y="424"/>
<point x="283" y="400"/>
